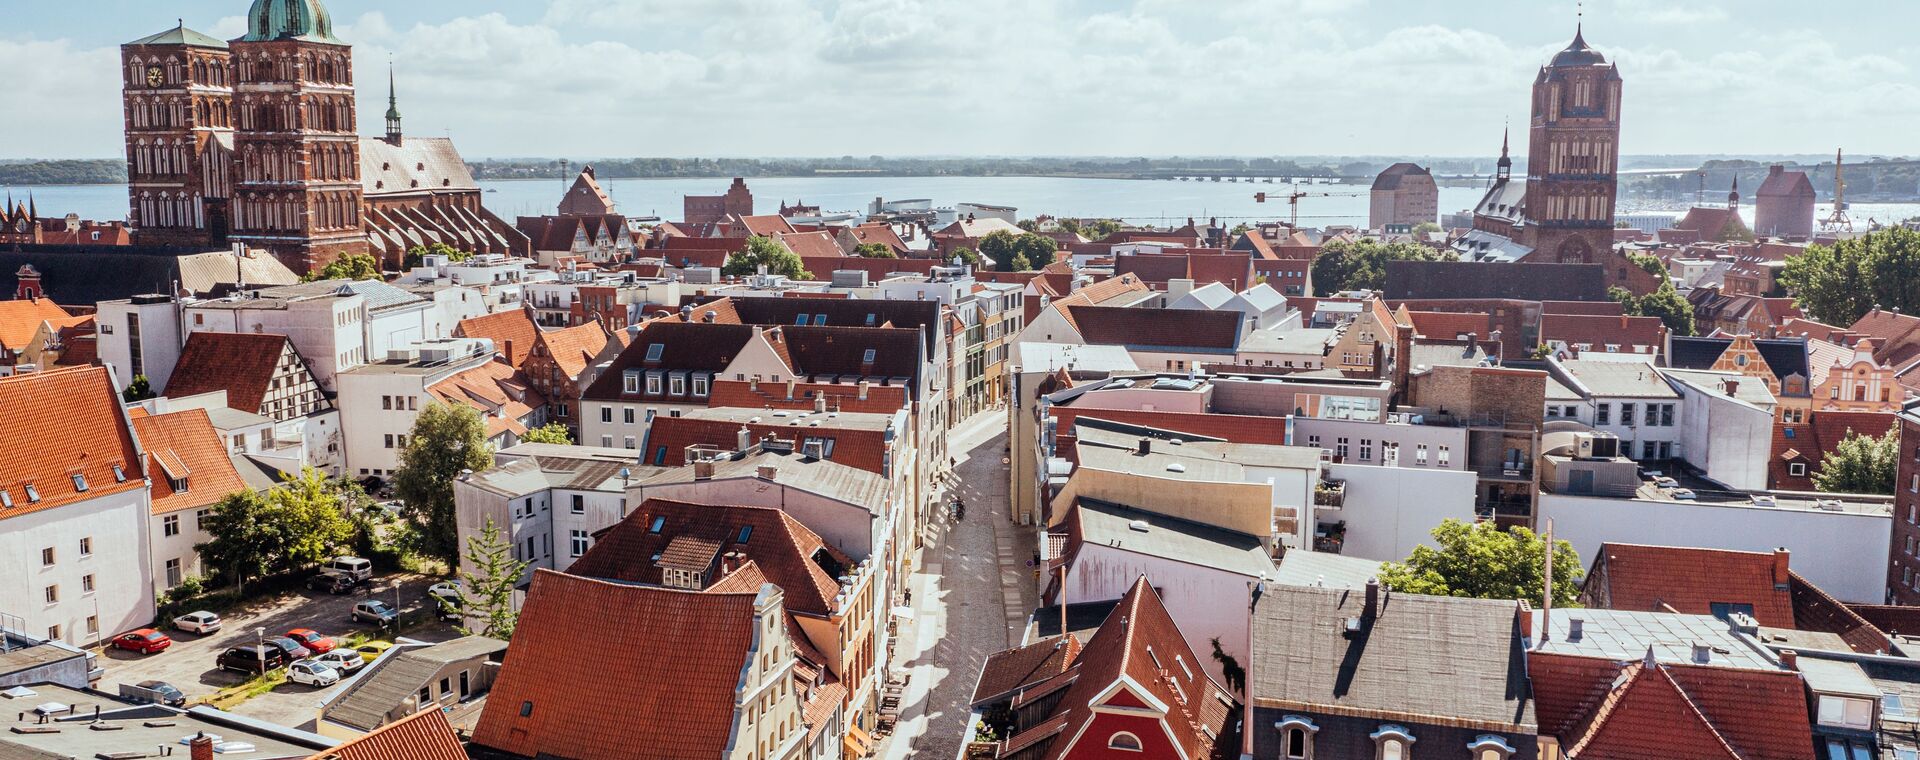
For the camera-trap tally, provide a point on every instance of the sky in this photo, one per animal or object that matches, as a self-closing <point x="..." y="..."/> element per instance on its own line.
<point x="756" y="78"/>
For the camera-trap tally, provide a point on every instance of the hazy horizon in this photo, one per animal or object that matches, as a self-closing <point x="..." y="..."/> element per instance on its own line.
<point x="1030" y="78"/>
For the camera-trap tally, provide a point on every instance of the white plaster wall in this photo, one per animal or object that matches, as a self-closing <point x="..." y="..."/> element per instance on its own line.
<point x="1390" y="510"/>
<point x="1205" y="602"/>
<point x="120" y="565"/>
<point x="1843" y="553"/>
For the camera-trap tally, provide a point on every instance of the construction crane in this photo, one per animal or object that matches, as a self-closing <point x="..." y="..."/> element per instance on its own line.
<point x="1293" y="202"/>
<point x="1838" y="220"/>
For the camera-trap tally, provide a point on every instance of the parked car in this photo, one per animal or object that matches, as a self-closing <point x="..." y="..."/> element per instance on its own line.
<point x="374" y="611"/>
<point x="144" y="641"/>
<point x="294" y="649"/>
<point x="1683" y="494"/>
<point x="252" y="659"/>
<point x="153" y="693"/>
<point x="444" y="591"/>
<point x="332" y="583"/>
<point x="344" y="660"/>
<point x="1665" y="482"/>
<point x="312" y="639"/>
<point x="372" y="650"/>
<point x="312" y="673"/>
<point x="356" y="568"/>
<point x="201" y="622"/>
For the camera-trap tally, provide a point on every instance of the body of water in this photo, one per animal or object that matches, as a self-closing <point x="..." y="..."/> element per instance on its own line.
<point x="1156" y="202"/>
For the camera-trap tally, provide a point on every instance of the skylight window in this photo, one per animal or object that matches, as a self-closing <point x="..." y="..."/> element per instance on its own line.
<point x="33" y="494"/>
<point x="119" y="474"/>
<point x="6" y="499"/>
<point x="801" y="320"/>
<point x="80" y="483"/>
<point x="746" y="532"/>
<point x="658" y="523"/>
<point x="867" y="358"/>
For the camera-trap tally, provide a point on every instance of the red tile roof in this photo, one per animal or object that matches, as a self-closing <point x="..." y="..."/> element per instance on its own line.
<point x="670" y="690"/>
<point x="1446" y="325"/>
<point x="878" y="232"/>
<point x="1010" y="669"/>
<point x="20" y="319"/>
<point x="574" y="348"/>
<point x="1602" y="708"/>
<point x="1600" y="331"/>
<point x="184" y="445"/>
<point x="764" y="224"/>
<point x="503" y="395"/>
<point x="881" y="399"/>
<point x="781" y="548"/>
<point x="242" y="364"/>
<point x="1688" y="580"/>
<point x="59" y="424"/>
<point x="864" y="449"/>
<point x="1119" y="648"/>
<point x="1808" y="443"/>
<point x="811" y="245"/>
<point x="823" y="267"/>
<point x="425" y="735"/>
<point x="513" y="328"/>
<point x="1899" y="335"/>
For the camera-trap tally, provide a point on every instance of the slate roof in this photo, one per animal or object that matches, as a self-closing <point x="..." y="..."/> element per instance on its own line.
<point x="388" y="683"/>
<point x="1467" y="279"/>
<point x="783" y="549"/>
<point x="63" y="423"/>
<point x="698" y="642"/>
<point x="242" y="364"/>
<point x="1429" y="656"/>
<point x="1170" y="538"/>
<point x="1785" y="356"/>
<point x="1172" y="330"/>
<point x="184" y="443"/>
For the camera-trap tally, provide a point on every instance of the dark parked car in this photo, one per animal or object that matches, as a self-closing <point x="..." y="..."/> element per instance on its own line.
<point x="153" y="692"/>
<point x="249" y="659"/>
<point x="293" y="649"/>
<point x="332" y="583"/>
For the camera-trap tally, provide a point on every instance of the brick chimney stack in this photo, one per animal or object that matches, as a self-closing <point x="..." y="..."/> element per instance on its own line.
<point x="1780" y="571"/>
<point x="200" y="747"/>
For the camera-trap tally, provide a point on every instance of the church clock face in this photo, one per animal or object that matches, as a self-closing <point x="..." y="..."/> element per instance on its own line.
<point x="155" y="77"/>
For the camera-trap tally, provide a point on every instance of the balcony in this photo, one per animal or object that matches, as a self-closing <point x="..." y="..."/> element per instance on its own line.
<point x="1330" y="538"/>
<point x="1517" y="472"/>
<point x="1330" y="494"/>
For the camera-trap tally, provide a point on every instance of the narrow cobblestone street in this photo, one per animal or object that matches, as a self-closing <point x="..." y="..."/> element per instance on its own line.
<point x="971" y="598"/>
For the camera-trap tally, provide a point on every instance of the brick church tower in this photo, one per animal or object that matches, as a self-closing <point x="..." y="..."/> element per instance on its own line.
<point x="1573" y="157"/>
<point x="177" y="95"/>
<point x="296" y="153"/>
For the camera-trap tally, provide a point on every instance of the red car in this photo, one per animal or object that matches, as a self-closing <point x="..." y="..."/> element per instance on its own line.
<point x="144" y="641"/>
<point x="312" y="639"/>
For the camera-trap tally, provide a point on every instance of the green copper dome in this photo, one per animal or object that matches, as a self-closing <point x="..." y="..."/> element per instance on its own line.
<point x="271" y="20"/>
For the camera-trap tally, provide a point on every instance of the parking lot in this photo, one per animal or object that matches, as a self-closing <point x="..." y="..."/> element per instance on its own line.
<point x="189" y="663"/>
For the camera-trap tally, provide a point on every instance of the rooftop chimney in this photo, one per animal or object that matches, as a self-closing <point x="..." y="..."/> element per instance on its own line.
<point x="506" y="349"/>
<point x="1576" y="628"/>
<point x="820" y="403"/>
<point x="789" y="387"/>
<point x="1145" y="446"/>
<point x="864" y="385"/>
<point x="702" y="469"/>
<point x="1789" y="659"/>
<point x="1524" y="613"/>
<point x="743" y="439"/>
<point x="686" y="313"/>
<point x="1732" y="387"/>
<point x="766" y="472"/>
<point x="200" y="747"/>
<point x="1373" y="599"/>
<point x="1780" y="572"/>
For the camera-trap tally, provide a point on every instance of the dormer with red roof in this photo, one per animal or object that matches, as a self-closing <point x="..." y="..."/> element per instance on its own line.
<point x="1134" y="690"/>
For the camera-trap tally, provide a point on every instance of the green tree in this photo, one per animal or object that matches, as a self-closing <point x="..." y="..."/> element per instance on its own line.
<point x="966" y="256"/>
<point x="552" y="432"/>
<point x="1483" y="561"/>
<point x="1650" y="263"/>
<point x="1840" y="283"/>
<point x="1003" y="248"/>
<point x="312" y="517"/>
<point x="765" y="251"/>
<point x="445" y="440"/>
<point x="874" y="251"/>
<point x="138" y="390"/>
<point x="349" y="267"/>
<point x="248" y="538"/>
<point x="1665" y="303"/>
<point x="1426" y="227"/>
<point x="417" y="254"/>
<point x="1020" y="263"/>
<point x="1861" y="464"/>
<point x="487" y="584"/>
<point x="1362" y="264"/>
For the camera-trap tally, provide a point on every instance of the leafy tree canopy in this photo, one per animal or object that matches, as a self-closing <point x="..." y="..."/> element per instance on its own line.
<point x="1481" y="560"/>
<point x="1665" y="303"/>
<point x="138" y="390"/>
<point x="445" y="440"/>
<point x="1861" y="464"/>
<point x="487" y="586"/>
<point x="874" y="251"/>
<point x="1840" y="283"/>
<point x="552" y="432"/>
<point x="1362" y="264"/>
<point x="349" y="267"/>
<point x="765" y="251"/>
<point x="1004" y="249"/>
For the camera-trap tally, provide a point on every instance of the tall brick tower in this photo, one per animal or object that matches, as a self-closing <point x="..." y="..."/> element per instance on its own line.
<point x="177" y="91"/>
<point x="296" y="160"/>
<point x="1573" y="157"/>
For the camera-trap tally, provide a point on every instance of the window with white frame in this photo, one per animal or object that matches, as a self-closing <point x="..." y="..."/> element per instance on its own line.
<point x="578" y="544"/>
<point x="1490" y="747"/>
<point x="1296" y="737"/>
<point x="1122" y="740"/>
<point x="653" y="384"/>
<point x="630" y="382"/>
<point x="700" y="386"/>
<point x="170" y="525"/>
<point x="1392" y="742"/>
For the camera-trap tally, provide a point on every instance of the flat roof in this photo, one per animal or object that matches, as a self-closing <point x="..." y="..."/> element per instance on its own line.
<point x="137" y="729"/>
<point x="1619" y="379"/>
<point x="871" y="421"/>
<point x="1142" y="532"/>
<point x="1626" y="635"/>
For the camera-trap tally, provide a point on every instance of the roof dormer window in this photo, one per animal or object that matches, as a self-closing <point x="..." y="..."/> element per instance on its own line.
<point x="33" y="494"/>
<point x="119" y="474"/>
